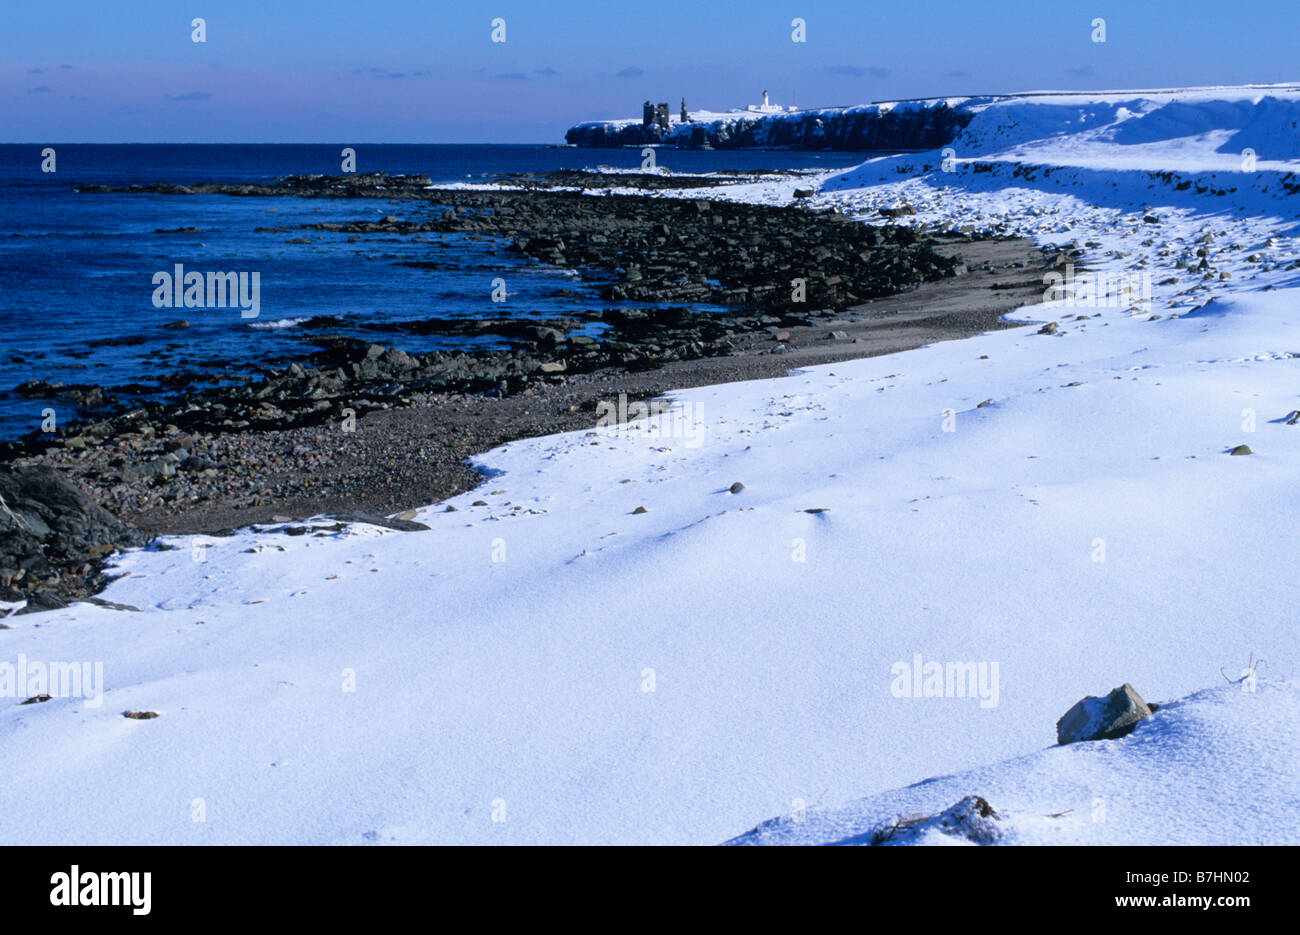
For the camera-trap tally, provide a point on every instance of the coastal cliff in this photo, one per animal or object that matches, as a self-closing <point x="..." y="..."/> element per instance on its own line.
<point x="916" y="125"/>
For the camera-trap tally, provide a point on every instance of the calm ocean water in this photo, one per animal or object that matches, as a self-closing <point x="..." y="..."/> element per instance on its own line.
<point x="77" y="307"/>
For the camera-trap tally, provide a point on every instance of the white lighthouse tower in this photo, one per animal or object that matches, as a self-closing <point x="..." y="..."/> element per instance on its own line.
<point x="767" y="107"/>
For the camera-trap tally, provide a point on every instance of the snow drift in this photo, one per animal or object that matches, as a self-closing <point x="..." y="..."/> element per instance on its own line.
<point x="1217" y="767"/>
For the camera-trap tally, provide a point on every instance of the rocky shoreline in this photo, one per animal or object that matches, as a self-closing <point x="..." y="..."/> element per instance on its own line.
<point x="775" y="266"/>
<point x="642" y="249"/>
<point x="356" y="425"/>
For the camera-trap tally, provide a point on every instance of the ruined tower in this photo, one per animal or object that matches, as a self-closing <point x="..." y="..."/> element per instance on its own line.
<point x="655" y="115"/>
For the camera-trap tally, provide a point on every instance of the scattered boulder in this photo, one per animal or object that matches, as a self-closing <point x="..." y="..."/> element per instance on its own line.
<point x="48" y="526"/>
<point x="111" y="605"/>
<point x="1050" y="328"/>
<point x="42" y="601"/>
<point x="972" y="819"/>
<point x="1107" y="718"/>
<point x="396" y="357"/>
<point x="196" y="465"/>
<point x="401" y="525"/>
<point x="737" y="487"/>
<point x="1241" y="450"/>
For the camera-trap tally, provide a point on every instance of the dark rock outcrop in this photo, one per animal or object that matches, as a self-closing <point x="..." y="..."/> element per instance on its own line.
<point x="366" y="185"/>
<point x="386" y="522"/>
<point x="53" y="537"/>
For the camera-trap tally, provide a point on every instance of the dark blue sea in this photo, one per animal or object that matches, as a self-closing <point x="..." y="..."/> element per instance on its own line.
<point x="77" y="299"/>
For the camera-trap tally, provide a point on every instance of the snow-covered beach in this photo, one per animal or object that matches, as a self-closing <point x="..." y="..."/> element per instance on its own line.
<point x="617" y="648"/>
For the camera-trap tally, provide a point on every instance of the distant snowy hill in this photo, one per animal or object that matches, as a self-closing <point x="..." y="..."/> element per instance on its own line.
<point x="1056" y="506"/>
<point x="1262" y="117"/>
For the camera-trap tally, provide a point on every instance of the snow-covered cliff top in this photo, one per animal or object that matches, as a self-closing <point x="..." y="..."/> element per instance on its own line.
<point x="1265" y="115"/>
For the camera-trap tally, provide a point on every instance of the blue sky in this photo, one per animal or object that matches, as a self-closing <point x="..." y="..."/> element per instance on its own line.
<point x="326" y="71"/>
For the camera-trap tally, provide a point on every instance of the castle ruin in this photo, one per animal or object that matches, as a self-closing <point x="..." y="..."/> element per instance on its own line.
<point x="655" y="115"/>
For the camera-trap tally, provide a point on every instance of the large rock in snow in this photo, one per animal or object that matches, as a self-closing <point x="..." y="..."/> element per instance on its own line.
<point x="46" y="521"/>
<point x="1106" y="718"/>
